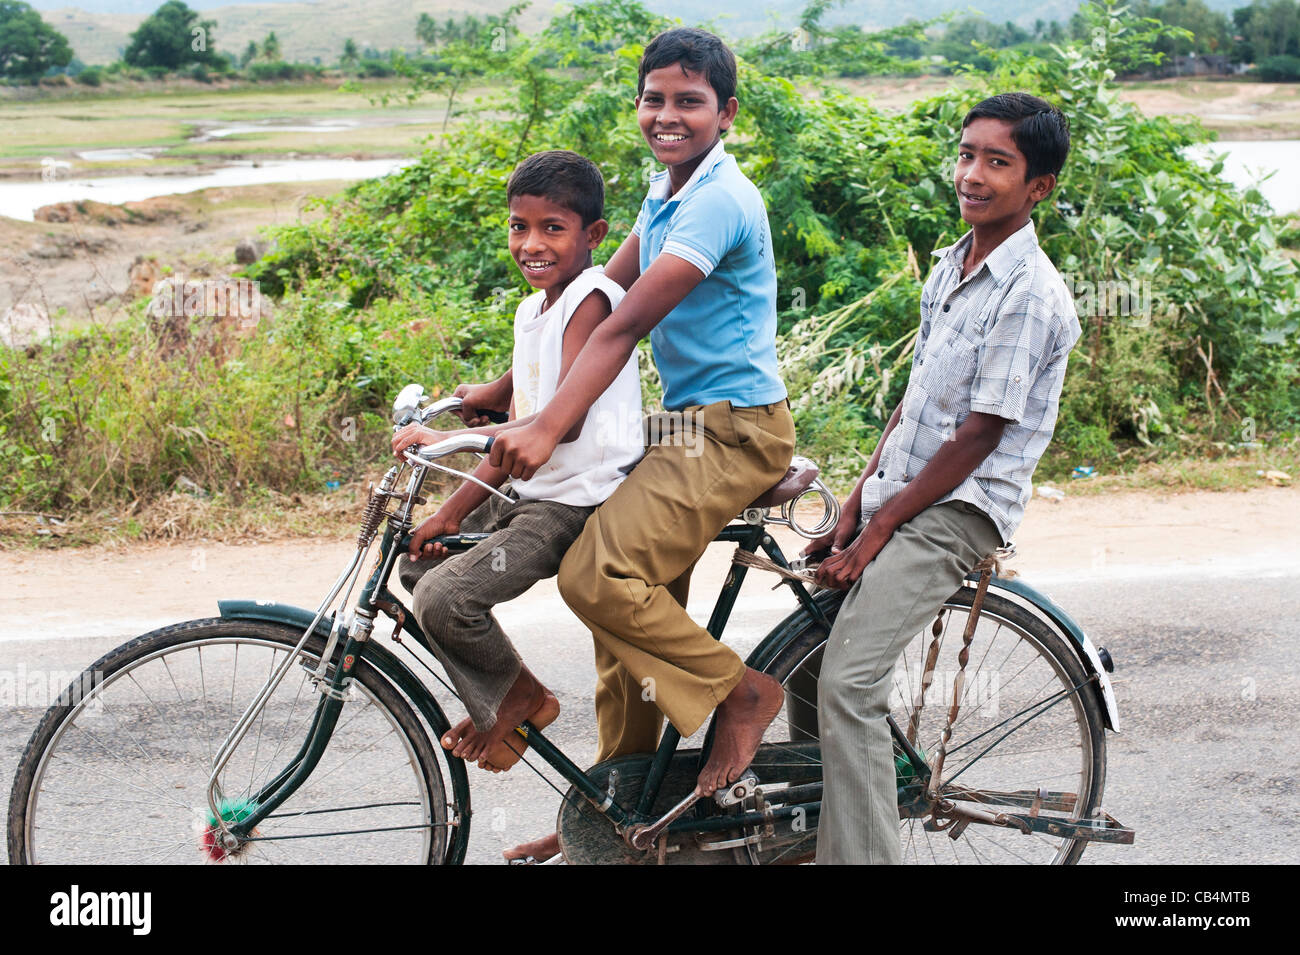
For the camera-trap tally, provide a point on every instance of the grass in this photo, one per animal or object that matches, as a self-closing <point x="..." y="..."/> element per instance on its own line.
<point x="117" y="118"/>
<point x="266" y="515"/>
<point x="1207" y="469"/>
<point x="262" y="515"/>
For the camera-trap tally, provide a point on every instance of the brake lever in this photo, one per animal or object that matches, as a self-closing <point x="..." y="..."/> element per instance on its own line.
<point x="804" y="562"/>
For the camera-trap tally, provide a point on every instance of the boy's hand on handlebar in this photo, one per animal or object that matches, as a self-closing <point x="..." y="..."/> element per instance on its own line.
<point x="422" y="546"/>
<point x="415" y="434"/>
<point x="477" y="399"/>
<point x="521" y="451"/>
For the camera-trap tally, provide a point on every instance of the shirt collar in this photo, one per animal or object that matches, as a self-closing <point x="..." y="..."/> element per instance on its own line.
<point x="660" y="184"/>
<point x="1014" y="249"/>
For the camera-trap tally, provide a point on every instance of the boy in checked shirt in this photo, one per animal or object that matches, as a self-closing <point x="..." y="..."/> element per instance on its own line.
<point x="950" y="476"/>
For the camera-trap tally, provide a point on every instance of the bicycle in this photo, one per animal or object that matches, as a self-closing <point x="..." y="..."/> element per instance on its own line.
<point x="190" y="743"/>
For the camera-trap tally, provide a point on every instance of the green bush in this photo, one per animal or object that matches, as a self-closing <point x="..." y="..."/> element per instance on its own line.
<point x="376" y="68"/>
<point x="263" y="72"/>
<point x="407" y="278"/>
<point x="91" y="76"/>
<point x="1279" y="69"/>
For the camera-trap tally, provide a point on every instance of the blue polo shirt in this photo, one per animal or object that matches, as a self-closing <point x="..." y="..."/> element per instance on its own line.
<point x="719" y="343"/>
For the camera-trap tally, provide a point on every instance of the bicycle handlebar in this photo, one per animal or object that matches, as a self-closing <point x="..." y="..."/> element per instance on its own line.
<point x="455" y="403"/>
<point x="480" y="443"/>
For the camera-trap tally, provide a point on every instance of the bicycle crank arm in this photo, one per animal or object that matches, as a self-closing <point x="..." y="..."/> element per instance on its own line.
<point x="643" y="837"/>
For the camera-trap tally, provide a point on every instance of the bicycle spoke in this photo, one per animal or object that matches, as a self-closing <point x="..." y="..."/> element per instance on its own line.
<point x="128" y="772"/>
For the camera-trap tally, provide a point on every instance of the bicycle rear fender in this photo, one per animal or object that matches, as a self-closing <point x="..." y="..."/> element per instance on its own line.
<point x="792" y="625"/>
<point x="1071" y="630"/>
<point x="395" y="671"/>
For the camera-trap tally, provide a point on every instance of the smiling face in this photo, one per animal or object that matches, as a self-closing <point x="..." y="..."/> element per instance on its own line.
<point x="990" y="178"/>
<point x="549" y="242"/>
<point x="680" y="118"/>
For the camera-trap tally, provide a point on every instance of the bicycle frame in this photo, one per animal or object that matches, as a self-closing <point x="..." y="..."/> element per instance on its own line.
<point x="375" y="594"/>
<point x="334" y="674"/>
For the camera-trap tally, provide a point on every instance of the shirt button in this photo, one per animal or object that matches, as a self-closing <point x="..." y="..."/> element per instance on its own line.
<point x="946" y="307"/>
<point x="1017" y="378"/>
<point x="881" y="474"/>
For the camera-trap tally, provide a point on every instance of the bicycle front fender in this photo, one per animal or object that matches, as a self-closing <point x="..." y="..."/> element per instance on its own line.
<point x="396" y="672"/>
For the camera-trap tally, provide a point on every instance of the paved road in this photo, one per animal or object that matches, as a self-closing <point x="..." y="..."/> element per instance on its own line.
<point x="1204" y="769"/>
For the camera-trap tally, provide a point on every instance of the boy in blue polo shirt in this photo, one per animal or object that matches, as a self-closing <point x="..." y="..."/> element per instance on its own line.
<point x="701" y="282"/>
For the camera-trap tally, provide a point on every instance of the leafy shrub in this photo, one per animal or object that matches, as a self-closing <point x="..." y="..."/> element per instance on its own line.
<point x="1279" y="69"/>
<point x="407" y="278"/>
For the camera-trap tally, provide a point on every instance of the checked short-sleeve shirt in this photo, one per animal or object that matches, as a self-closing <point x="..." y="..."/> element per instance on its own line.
<point x="995" y="342"/>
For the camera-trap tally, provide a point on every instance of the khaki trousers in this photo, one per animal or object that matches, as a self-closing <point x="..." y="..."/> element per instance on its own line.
<point x="627" y="575"/>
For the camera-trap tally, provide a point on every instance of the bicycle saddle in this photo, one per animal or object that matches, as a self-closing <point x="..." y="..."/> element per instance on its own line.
<point x="801" y="473"/>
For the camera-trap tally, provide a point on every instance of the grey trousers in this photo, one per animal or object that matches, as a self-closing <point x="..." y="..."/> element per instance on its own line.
<point x="896" y="596"/>
<point x="453" y="598"/>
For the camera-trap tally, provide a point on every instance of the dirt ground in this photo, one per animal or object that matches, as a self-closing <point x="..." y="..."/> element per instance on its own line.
<point x="1236" y="109"/>
<point x="92" y="591"/>
<point x="81" y="272"/>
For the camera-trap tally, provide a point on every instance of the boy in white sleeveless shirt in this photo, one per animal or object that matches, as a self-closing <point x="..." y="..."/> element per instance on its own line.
<point x="556" y="201"/>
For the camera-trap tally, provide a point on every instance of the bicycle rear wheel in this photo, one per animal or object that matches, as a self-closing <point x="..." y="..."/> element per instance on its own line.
<point x="1029" y="721"/>
<point x="119" y="772"/>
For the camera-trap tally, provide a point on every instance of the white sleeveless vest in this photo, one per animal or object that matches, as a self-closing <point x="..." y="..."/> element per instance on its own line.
<point x="585" y="471"/>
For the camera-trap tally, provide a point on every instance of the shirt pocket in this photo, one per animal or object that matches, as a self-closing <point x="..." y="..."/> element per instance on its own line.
<point x="948" y="371"/>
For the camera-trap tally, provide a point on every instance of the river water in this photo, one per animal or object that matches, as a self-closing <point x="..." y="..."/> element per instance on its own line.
<point x="1246" y="162"/>
<point x="19" y="200"/>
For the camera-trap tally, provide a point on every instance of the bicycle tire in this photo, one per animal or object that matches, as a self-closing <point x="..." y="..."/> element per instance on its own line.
<point x="142" y="763"/>
<point x="797" y="664"/>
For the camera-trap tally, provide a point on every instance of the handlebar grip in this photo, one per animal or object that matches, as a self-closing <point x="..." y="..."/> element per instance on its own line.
<point x="456" y="543"/>
<point x="487" y="447"/>
<point x="496" y="417"/>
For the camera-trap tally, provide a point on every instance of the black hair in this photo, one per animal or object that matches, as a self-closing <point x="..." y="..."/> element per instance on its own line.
<point x="696" y="50"/>
<point x="1040" y="130"/>
<point x="564" y="178"/>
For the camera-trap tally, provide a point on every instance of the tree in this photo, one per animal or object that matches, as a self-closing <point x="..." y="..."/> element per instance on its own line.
<point x="1211" y="30"/>
<point x="426" y="30"/>
<point x="350" y="54"/>
<point x="271" y="48"/>
<point x="1269" y="29"/>
<point x="250" y="53"/>
<point x="28" y="45"/>
<point x="172" y="37"/>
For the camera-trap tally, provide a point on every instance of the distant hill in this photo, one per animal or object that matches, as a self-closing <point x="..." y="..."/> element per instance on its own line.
<point x="98" y="29"/>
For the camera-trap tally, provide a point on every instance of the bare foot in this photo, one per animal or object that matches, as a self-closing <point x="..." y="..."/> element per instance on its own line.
<point x="739" y="725"/>
<point x="510" y="750"/>
<point x="457" y="733"/>
<point x="539" y="850"/>
<point x="526" y="699"/>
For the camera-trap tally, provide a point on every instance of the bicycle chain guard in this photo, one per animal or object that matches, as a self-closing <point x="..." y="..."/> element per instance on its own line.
<point x="587" y="836"/>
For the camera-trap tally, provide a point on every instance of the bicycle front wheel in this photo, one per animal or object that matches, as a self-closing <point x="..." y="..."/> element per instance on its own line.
<point x="1029" y="722"/>
<point x="118" y="772"/>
